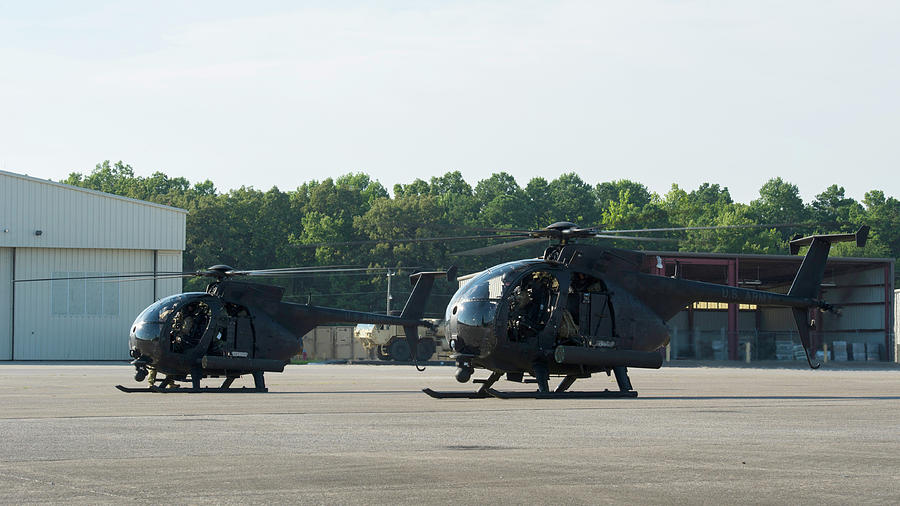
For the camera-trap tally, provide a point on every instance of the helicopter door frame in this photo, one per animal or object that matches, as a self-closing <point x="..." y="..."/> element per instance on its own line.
<point x="241" y="337"/>
<point x="546" y="337"/>
<point x="169" y="329"/>
<point x="596" y="313"/>
<point x="216" y="310"/>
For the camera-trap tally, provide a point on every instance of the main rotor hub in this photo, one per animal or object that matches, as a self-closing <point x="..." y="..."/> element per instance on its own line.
<point x="564" y="231"/>
<point x="562" y="225"/>
<point x="219" y="271"/>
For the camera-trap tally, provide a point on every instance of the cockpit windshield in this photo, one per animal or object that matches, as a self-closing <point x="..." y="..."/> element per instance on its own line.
<point x="160" y="310"/>
<point x="490" y="284"/>
<point x="148" y="325"/>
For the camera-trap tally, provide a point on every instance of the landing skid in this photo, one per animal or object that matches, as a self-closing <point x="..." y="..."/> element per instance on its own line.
<point x="211" y="390"/>
<point x="605" y="394"/>
<point x="455" y="395"/>
<point x="481" y="393"/>
<point x="168" y="386"/>
<point x="625" y="390"/>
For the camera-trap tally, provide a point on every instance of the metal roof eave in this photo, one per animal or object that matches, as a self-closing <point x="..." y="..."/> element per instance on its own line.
<point x="93" y="192"/>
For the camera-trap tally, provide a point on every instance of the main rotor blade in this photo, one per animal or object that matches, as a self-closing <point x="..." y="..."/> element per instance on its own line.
<point x="311" y="267"/>
<point x="634" y="238"/>
<point x="151" y="278"/>
<point x="285" y="273"/>
<point x="522" y="231"/>
<point x="115" y="276"/>
<point x="710" y="227"/>
<point x="421" y="239"/>
<point x="500" y="247"/>
<point x="294" y="272"/>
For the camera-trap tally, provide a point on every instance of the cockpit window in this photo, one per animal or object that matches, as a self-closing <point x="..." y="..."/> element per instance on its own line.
<point x="490" y="284"/>
<point x="148" y="325"/>
<point x="478" y="313"/>
<point x="147" y="331"/>
<point x="161" y="309"/>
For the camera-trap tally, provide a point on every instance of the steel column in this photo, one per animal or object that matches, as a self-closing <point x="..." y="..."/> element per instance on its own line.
<point x="155" y="272"/>
<point x="12" y="295"/>
<point x="732" y="313"/>
<point x="889" y="347"/>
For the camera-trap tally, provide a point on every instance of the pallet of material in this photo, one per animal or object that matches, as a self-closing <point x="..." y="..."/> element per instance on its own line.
<point x="873" y="352"/>
<point x="784" y="350"/>
<point x="858" y="352"/>
<point x="839" y="351"/>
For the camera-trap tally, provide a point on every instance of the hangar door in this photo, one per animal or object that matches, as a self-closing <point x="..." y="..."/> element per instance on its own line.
<point x="73" y="318"/>
<point x="6" y="300"/>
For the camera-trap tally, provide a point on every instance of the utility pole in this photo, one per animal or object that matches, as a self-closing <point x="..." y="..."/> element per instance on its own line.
<point x="388" y="310"/>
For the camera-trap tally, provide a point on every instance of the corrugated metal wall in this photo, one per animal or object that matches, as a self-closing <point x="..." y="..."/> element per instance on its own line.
<point x="71" y="217"/>
<point x="860" y="298"/>
<point x="168" y="261"/>
<point x="79" y="320"/>
<point x="6" y="276"/>
<point x="776" y="319"/>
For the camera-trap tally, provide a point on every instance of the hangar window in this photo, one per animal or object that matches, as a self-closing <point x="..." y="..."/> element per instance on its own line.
<point x="723" y="306"/>
<point x="93" y="297"/>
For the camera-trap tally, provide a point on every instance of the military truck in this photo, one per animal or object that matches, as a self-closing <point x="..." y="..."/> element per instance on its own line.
<point x="388" y="342"/>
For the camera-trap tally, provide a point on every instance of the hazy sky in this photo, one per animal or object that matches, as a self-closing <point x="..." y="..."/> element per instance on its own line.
<point x="278" y="93"/>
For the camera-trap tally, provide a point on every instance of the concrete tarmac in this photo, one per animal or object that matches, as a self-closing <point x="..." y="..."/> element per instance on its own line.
<point x="358" y="434"/>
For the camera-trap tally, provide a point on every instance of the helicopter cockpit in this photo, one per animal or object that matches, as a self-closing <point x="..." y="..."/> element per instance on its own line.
<point x="184" y="317"/>
<point x="529" y="303"/>
<point x="523" y="291"/>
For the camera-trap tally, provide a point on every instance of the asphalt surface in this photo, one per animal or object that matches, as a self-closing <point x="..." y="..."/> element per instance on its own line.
<point x="363" y="434"/>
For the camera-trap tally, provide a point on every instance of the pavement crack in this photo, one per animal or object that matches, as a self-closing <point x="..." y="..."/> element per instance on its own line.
<point x="46" y="482"/>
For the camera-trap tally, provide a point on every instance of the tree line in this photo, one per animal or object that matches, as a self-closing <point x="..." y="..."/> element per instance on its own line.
<point x="248" y="228"/>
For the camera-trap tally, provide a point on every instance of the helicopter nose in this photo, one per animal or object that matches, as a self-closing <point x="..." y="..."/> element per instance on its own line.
<point x="471" y="325"/>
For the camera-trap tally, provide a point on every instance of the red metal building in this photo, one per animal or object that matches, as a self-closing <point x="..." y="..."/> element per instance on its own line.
<point x="861" y="288"/>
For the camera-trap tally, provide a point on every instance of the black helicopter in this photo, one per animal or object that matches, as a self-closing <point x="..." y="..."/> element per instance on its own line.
<point x="237" y="327"/>
<point x="583" y="309"/>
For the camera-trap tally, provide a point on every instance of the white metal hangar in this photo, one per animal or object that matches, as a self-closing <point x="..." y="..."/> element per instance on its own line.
<point x="54" y="231"/>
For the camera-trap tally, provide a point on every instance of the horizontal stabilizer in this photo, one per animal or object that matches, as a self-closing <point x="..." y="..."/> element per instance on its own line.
<point x="809" y="277"/>
<point x="861" y="236"/>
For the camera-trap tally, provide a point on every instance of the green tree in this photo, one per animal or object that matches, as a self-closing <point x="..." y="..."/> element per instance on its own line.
<point x="605" y="193"/>
<point x="500" y="201"/>
<point x="734" y="240"/>
<point x="779" y="203"/>
<point x="538" y="204"/>
<point x="456" y="198"/>
<point x="832" y="210"/>
<point x="117" y="179"/>
<point x="416" y="188"/>
<point x="634" y="211"/>
<point x="571" y="199"/>
<point x="882" y="214"/>
<point x="700" y="207"/>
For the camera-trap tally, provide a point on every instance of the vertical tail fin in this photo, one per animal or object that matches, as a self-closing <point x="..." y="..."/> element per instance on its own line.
<point x="808" y="280"/>
<point x="415" y="305"/>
